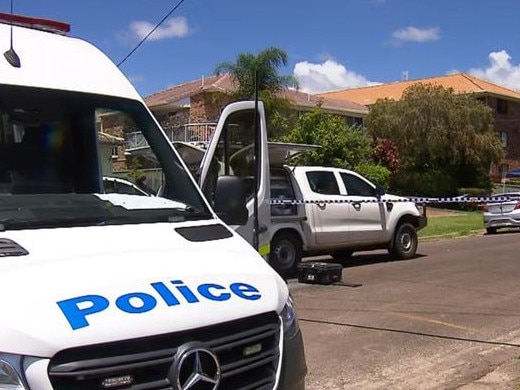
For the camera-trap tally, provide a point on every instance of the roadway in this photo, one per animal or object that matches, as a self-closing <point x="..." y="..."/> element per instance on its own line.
<point x="443" y="320"/>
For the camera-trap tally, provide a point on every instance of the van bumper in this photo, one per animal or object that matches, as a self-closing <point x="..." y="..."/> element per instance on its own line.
<point x="294" y="367"/>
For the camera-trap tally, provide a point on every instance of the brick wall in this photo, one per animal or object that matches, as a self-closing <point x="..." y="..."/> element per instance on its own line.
<point x="508" y="123"/>
<point x="173" y="119"/>
<point x="206" y="106"/>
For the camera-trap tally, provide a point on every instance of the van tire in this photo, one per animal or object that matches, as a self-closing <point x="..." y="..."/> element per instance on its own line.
<point x="405" y="242"/>
<point x="286" y="253"/>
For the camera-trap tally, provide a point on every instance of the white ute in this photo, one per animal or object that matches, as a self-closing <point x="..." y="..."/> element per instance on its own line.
<point x="338" y="212"/>
<point x="119" y="291"/>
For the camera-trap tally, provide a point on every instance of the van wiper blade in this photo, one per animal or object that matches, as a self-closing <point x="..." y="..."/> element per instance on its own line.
<point x="37" y="223"/>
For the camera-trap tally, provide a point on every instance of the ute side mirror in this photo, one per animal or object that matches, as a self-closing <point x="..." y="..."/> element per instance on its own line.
<point x="379" y="191"/>
<point x="230" y="200"/>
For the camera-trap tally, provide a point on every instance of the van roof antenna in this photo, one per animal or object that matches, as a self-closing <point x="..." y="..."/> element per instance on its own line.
<point x="10" y="55"/>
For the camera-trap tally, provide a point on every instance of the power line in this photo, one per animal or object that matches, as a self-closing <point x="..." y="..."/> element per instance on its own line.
<point x="413" y="333"/>
<point x="151" y="32"/>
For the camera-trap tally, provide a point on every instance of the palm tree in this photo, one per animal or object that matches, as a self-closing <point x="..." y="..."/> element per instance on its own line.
<point x="261" y="70"/>
<point x="264" y="67"/>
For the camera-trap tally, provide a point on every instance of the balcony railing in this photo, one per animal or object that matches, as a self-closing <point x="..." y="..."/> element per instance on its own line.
<point x="191" y="132"/>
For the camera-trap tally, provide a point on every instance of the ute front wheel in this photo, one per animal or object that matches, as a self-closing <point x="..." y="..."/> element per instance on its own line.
<point x="405" y="242"/>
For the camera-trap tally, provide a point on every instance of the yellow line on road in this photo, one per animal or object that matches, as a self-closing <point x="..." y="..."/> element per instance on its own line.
<point x="432" y="321"/>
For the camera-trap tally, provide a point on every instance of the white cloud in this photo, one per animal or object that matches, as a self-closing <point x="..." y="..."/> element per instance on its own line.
<point x="415" y="34"/>
<point x="329" y="75"/>
<point x="501" y="70"/>
<point x="173" y="28"/>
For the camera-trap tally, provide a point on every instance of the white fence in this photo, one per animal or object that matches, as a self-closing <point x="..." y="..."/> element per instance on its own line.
<point x="191" y="132"/>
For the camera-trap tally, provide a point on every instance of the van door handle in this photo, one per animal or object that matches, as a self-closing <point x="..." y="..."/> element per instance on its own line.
<point x="357" y="205"/>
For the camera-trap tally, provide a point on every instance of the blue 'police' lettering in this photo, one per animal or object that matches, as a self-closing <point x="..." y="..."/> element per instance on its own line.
<point x="76" y="310"/>
<point x="185" y="291"/>
<point x="245" y="291"/>
<point x="203" y="290"/>
<point x="124" y="302"/>
<point x="165" y="294"/>
<point x="75" y="315"/>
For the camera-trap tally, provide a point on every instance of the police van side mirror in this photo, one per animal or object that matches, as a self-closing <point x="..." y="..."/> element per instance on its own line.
<point x="230" y="200"/>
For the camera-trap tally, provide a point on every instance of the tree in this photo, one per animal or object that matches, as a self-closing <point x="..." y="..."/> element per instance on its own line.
<point x="341" y="146"/>
<point x="439" y="134"/>
<point x="265" y="68"/>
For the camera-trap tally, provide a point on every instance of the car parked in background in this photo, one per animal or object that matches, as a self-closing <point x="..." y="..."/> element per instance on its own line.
<point x="503" y="213"/>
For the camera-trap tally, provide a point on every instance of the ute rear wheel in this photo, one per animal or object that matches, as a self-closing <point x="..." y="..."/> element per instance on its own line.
<point x="491" y="230"/>
<point x="286" y="253"/>
<point x="405" y="242"/>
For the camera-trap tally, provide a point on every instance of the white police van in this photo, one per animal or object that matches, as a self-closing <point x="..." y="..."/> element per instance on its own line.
<point x="118" y="291"/>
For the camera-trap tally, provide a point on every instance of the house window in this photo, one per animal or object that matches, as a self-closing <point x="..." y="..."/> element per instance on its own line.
<point x="503" y="137"/>
<point x="115" y="151"/>
<point x="353" y="121"/>
<point x="502" y="106"/>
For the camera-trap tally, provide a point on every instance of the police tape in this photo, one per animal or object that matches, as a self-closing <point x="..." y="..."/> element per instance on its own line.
<point x="419" y="200"/>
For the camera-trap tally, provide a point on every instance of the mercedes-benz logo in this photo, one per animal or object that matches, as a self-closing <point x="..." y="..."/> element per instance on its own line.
<point x="194" y="368"/>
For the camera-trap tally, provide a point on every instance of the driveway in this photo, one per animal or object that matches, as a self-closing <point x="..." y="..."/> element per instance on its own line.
<point x="448" y="319"/>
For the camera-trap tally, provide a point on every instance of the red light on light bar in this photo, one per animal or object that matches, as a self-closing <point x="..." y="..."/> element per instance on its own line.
<point x="36" y="23"/>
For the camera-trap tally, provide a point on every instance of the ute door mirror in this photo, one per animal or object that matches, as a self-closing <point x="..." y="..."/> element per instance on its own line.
<point x="230" y="200"/>
<point x="379" y="191"/>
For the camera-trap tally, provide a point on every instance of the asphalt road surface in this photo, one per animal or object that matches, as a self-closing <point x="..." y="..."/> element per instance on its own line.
<point x="448" y="319"/>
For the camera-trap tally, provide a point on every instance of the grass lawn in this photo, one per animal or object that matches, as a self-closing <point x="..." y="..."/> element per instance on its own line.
<point x="456" y="224"/>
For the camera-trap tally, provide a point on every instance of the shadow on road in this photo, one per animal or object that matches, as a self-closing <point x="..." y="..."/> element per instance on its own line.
<point x="504" y="232"/>
<point x="362" y="258"/>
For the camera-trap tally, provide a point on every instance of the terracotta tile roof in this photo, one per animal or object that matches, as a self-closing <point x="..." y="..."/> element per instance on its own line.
<point x="459" y="82"/>
<point x="182" y="91"/>
<point x="225" y="83"/>
<point x="305" y="100"/>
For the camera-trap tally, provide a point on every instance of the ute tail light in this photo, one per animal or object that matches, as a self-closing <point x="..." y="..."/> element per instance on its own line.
<point x="485" y="208"/>
<point x="36" y="23"/>
<point x="517" y="205"/>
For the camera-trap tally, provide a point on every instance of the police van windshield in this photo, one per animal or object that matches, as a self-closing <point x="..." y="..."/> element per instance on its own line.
<point x="62" y="153"/>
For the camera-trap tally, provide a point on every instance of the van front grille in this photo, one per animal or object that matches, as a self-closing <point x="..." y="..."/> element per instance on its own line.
<point x="247" y="351"/>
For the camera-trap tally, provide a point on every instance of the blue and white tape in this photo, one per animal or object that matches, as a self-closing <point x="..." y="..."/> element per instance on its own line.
<point x="419" y="200"/>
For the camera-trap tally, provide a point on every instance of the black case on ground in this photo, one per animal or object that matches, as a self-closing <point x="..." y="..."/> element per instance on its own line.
<point x="319" y="273"/>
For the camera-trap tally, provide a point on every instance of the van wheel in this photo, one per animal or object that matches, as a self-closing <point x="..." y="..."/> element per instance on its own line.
<point x="286" y="253"/>
<point x="405" y="242"/>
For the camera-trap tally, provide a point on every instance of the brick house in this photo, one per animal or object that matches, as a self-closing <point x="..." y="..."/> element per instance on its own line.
<point x="110" y="149"/>
<point x="189" y="111"/>
<point x="505" y="103"/>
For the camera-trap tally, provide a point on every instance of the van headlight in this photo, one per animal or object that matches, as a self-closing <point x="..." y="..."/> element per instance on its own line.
<point x="10" y="369"/>
<point x="289" y="319"/>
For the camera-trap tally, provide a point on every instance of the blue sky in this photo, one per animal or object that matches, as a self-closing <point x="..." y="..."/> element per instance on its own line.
<point x="332" y="44"/>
